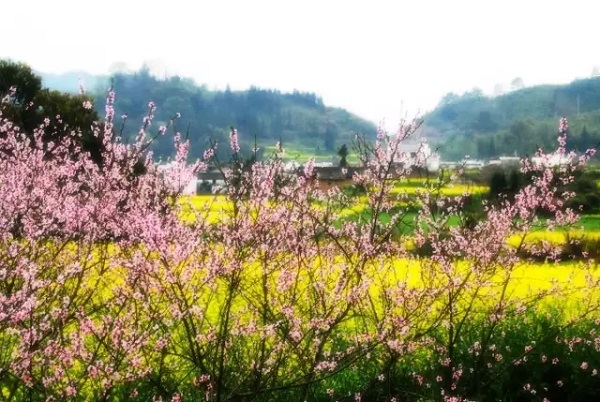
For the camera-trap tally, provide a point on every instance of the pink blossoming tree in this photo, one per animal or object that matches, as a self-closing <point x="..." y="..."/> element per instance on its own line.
<point x="106" y="293"/>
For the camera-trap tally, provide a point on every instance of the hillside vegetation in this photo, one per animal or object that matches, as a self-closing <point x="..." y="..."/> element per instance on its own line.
<point x="518" y="122"/>
<point x="299" y="119"/>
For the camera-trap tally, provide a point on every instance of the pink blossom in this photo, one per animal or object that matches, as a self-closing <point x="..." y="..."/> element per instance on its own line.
<point x="233" y="141"/>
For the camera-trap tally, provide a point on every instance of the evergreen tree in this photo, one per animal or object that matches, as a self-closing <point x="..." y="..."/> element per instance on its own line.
<point x="343" y="154"/>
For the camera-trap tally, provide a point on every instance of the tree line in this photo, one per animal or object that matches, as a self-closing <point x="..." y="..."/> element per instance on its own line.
<point x="261" y="116"/>
<point x="518" y="122"/>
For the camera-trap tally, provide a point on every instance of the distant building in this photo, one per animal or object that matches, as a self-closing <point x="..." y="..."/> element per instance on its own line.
<point x="505" y="161"/>
<point x="418" y="153"/>
<point x="473" y="164"/>
<point x="551" y="160"/>
<point x="323" y="164"/>
<point x="188" y="188"/>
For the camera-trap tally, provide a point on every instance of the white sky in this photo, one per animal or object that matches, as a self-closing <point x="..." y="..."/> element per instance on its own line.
<point x="380" y="59"/>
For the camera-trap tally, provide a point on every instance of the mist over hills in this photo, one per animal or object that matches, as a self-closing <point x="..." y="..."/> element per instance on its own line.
<point x="299" y="119"/>
<point x="514" y="123"/>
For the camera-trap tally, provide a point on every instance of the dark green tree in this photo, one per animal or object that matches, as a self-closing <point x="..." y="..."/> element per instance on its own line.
<point x="498" y="184"/>
<point x="343" y="154"/>
<point x="21" y="86"/>
<point x="67" y="114"/>
<point x="29" y="105"/>
<point x="515" y="182"/>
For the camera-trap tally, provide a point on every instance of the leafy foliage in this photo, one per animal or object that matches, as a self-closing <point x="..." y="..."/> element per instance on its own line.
<point x="30" y="106"/>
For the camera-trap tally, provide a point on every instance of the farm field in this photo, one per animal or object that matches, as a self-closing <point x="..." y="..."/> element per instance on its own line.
<point x="301" y="153"/>
<point x="530" y="277"/>
<point x="217" y="207"/>
<point x="557" y="292"/>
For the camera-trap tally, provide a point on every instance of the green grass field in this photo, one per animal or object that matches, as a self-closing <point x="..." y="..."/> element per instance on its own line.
<point x="303" y="152"/>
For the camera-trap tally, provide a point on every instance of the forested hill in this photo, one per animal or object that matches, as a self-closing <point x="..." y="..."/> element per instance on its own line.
<point x="299" y="119"/>
<point x="517" y="122"/>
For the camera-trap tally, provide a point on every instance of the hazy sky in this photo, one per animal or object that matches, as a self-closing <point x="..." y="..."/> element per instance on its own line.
<point x="377" y="58"/>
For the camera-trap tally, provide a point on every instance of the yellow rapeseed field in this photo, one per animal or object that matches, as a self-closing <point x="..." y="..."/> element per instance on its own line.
<point x="554" y="238"/>
<point x="213" y="207"/>
<point x="527" y="279"/>
<point x="412" y="186"/>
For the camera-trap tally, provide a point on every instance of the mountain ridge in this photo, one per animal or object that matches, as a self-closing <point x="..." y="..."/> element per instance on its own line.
<point x="520" y="121"/>
<point x="299" y="119"/>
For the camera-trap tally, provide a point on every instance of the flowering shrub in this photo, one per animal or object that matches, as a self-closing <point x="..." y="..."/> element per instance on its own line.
<point x="107" y="294"/>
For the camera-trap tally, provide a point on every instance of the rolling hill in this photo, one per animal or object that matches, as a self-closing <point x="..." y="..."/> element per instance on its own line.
<point x="517" y="122"/>
<point x="299" y="119"/>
